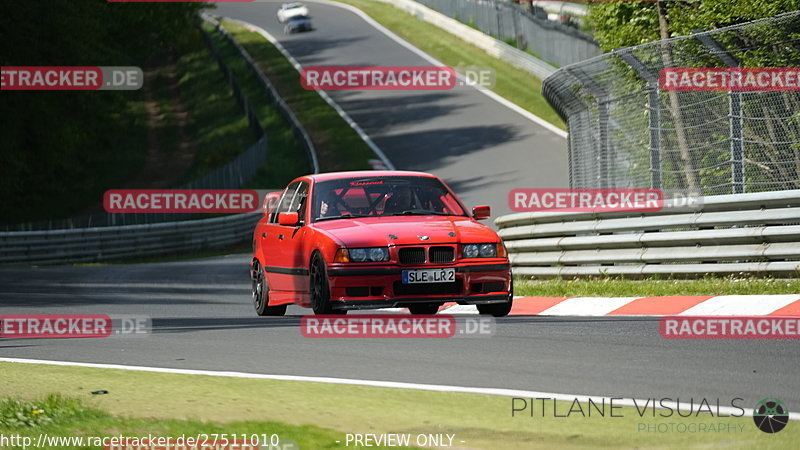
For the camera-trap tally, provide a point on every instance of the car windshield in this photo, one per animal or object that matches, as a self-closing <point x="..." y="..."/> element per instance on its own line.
<point x="383" y="196"/>
<point x="293" y="6"/>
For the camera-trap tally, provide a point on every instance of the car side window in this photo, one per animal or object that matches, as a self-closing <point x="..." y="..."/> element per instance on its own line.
<point x="284" y="202"/>
<point x="298" y="204"/>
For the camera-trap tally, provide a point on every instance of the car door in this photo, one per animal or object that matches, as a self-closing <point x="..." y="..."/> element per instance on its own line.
<point x="276" y="265"/>
<point x="290" y="242"/>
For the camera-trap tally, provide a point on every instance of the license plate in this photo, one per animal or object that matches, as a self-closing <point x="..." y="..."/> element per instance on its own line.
<point x="429" y="276"/>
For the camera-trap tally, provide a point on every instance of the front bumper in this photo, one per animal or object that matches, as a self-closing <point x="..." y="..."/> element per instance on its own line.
<point x="381" y="287"/>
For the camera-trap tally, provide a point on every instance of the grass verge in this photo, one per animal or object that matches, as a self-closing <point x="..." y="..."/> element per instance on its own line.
<point x="68" y="417"/>
<point x="217" y="125"/>
<point x="512" y="83"/>
<point x="138" y="402"/>
<point x="338" y="146"/>
<point x="618" y="287"/>
<point x="286" y="159"/>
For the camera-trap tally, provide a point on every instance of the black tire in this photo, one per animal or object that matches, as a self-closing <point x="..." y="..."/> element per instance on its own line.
<point x="499" y="309"/>
<point x="424" y="308"/>
<point x="260" y="292"/>
<point x="318" y="288"/>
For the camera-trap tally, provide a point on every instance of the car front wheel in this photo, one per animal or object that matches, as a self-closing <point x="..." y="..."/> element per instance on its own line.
<point x="499" y="309"/>
<point x="318" y="288"/>
<point x="424" y="308"/>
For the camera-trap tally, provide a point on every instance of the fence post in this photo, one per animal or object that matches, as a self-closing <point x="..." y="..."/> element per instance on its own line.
<point x="734" y="112"/>
<point x="605" y="151"/>
<point x="603" y="98"/>
<point x="497" y="18"/>
<point x="654" y="104"/>
<point x="654" y="114"/>
<point x="737" y="149"/>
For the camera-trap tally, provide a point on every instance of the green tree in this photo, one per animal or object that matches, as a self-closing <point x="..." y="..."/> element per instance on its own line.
<point x="767" y="44"/>
<point x="73" y="137"/>
<point x="624" y="24"/>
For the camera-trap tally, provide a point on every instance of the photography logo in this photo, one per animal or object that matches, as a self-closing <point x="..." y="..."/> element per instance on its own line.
<point x="770" y="415"/>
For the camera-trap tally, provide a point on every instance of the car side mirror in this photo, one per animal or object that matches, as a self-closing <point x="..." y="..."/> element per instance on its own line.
<point x="288" y="219"/>
<point x="481" y="212"/>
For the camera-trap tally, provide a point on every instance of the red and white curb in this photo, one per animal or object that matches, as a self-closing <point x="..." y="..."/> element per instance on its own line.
<point x="722" y="305"/>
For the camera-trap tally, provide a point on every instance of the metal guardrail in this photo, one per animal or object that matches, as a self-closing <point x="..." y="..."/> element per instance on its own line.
<point x="113" y="243"/>
<point x="113" y="239"/>
<point x="728" y="234"/>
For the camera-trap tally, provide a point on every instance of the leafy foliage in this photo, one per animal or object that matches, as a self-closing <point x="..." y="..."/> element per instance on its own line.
<point x="624" y="24"/>
<point x="59" y="143"/>
<point x="16" y="413"/>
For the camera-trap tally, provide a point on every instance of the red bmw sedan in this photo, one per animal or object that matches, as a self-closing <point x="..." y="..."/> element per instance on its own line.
<point x="376" y="239"/>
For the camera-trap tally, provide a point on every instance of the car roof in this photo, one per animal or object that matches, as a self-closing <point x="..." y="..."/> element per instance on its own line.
<point x="367" y="174"/>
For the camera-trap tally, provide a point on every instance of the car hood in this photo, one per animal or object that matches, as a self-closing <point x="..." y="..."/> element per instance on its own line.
<point x="406" y="230"/>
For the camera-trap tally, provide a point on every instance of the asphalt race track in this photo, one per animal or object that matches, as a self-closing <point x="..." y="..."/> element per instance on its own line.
<point x="481" y="148"/>
<point x="203" y="318"/>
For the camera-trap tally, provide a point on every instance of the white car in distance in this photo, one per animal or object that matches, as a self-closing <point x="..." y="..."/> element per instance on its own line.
<point x="289" y="10"/>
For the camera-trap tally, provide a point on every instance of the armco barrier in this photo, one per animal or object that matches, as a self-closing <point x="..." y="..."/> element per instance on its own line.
<point x="728" y="234"/>
<point x="114" y="243"/>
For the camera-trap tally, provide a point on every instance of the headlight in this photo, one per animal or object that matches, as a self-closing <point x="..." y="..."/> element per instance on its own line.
<point x="358" y="254"/>
<point x="370" y="254"/>
<point x="488" y="251"/>
<point x="378" y="254"/>
<point x="471" y="251"/>
<point x="479" y="250"/>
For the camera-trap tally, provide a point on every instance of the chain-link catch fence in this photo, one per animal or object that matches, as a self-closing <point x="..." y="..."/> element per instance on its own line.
<point x="626" y="131"/>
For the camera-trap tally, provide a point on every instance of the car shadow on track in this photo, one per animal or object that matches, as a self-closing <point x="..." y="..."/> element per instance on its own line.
<point x="310" y="48"/>
<point x="407" y="110"/>
<point x="192" y="324"/>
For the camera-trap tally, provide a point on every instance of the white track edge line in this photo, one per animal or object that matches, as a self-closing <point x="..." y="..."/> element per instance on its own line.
<point x="501" y="392"/>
